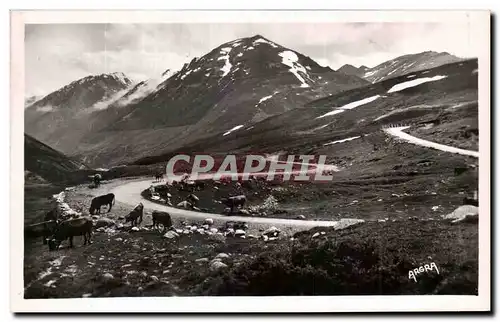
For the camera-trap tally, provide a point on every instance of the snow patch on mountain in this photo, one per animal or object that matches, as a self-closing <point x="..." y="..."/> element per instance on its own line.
<point x="343" y="140"/>
<point x="45" y="109"/>
<point x="414" y="82"/>
<point x="233" y="129"/>
<point x="291" y="59"/>
<point x="227" y="64"/>
<point x="263" y="41"/>
<point x="101" y="105"/>
<point x="350" y="106"/>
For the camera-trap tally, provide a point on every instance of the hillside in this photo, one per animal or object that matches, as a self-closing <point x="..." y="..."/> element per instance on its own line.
<point x="242" y="81"/>
<point x="407" y="64"/>
<point x="349" y="69"/>
<point x="43" y="164"/>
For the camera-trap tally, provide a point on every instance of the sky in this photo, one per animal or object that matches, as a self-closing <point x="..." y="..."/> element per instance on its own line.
<point x="57" y="54"/>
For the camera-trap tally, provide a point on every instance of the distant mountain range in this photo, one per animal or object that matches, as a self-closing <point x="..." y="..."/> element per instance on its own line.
<point x="106" y="120"/>
<point x="400" y="66"/>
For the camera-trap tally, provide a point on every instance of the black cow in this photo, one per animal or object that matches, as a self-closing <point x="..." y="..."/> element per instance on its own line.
<point x="135" y="215"/>
<point x="161" y="217"/>
<point x="98" y="202"/>
<point x="44" y="229"/>
<point x="235" y="201"/>
<point x="97" y="180"/>
<point x="158" y="177"/>
<point x="72" y="227"/>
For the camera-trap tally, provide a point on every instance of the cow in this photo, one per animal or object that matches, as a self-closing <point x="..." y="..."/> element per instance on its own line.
<point x="44" y="229"/>
<point x="235" y="201"/>
<point x="162" y="217"/>
<point x="158" y="177"/>
<point x="98" y="202"/>
<point x="67" y="229"/>
<point x="51" y="215"/>
<point x="97" y="179"/>
<point x="135" y="215"/>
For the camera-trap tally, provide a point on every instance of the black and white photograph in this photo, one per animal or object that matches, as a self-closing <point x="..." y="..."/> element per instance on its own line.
<point x="218" y="155"/>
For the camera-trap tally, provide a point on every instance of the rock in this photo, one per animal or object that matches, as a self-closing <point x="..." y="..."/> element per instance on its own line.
<point x="244" y="212"/>
<point x="121" y="217"/>
<point x="322" y="233"/>
<point x="200" y="231"/>
<point x="196" y="208"/>
<point x="144" y="274"/>
<point x="221" y="256"/>
<point x="119" y="239"/>
<point x="95" y="217"/>
<point x="239" y="232"/>
<point x="315" y="235"/>
<point x="171" y="234"/>
<point x="227" y="209"/>
<point x="186" y="232"/>
<point x="100" y="229"/>
<point x="179" y="231"/>
<point x="134" y="229"/>
<point x="229" y="231"/>
<point x="206" y="227"/>
<point x="193" y="228"/>
<point x="119" y="226"/>
<point x="217" y="266"/>
<point x="265" y="238"/>
<point x="214" y="230"/>
<point x="154" y="278"/>
<point x="87" y="295"/>
<point x="107" y="276"/>
<point x="272" y="232"/>
<point x="465" y="212"/>
<point x="273" y="238"/>
<point x="301" y="217"/>
<point x="263" y="214"/>
<point x="184" y="204"/>
<point x="140" y="289"/>
<point x="187" y="227"/>
<point x="202" y="260"/>
<point x="251" y="236"/>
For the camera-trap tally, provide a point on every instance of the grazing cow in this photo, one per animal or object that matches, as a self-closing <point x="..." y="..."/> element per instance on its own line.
<point x="98" y="202"/>
<point x="235" y="201"/>
<point x="158" y="177"/>
<point x="135" y="215"/>
<point x="51" y="215"/>
<point x="193" y="199"/>
<point x="162" y="217"/>
<point x="97" y="180"/>
<point x="72" y="227"/>
<point x="44" y="229"/>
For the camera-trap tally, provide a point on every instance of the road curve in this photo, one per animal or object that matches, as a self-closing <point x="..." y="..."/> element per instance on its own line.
<point x="398" y="132"/>
<point x="129" y="193"/>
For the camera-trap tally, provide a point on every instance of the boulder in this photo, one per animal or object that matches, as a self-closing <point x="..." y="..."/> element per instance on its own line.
<point x="134" y="229"/>
<point x="316" y="234"/>
<point x="239" y="232"/>
<point x="462" y="213"/>
<point x="217" y="266"/>
<point x="221" y="256"/>
<point x="301" y="217"/>
<point x="171" y="234"/>
<point x="214" y="230"/>
<point x="107" y="276"/>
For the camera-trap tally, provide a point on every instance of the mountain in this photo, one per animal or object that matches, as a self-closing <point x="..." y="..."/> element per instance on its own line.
<point x="42" y="163"/>
<point x="407" y="64"/>
<point x="239" y="82"/>
<point x="62" y="115"/>
<point x="352" y="70"/>
<point x="440" y="103"/>
<point x="31" y="99"/>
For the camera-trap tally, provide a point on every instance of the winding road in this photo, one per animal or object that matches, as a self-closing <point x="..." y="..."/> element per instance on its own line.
<point x="129" y="192"/>
<point x="398" y="132"/>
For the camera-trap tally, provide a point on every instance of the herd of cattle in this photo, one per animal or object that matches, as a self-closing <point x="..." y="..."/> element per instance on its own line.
<point x="56" y="228"/>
